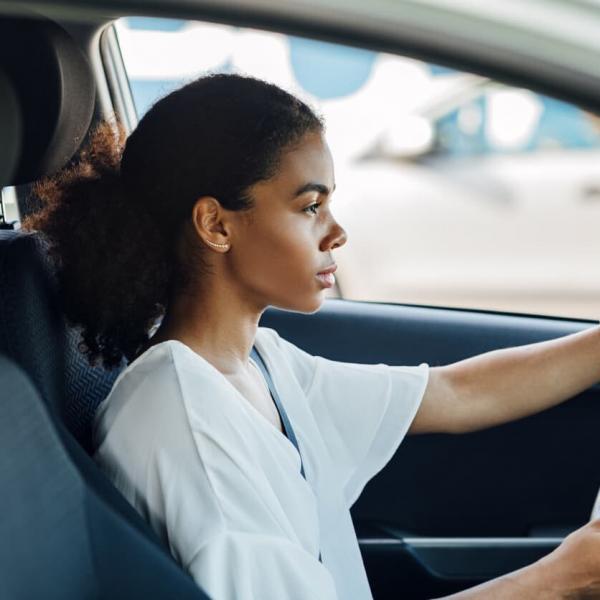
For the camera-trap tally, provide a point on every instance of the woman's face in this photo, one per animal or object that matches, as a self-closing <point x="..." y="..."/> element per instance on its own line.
<point x="289" y="235"/>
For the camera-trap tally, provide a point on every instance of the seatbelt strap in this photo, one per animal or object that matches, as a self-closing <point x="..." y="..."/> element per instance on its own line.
<point x="287" y="426"/>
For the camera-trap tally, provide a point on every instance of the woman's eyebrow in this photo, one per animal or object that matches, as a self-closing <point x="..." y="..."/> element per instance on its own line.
<point x="313" y="187"/>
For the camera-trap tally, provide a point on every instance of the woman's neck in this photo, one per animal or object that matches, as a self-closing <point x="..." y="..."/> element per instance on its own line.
<point x="221" y="333"/>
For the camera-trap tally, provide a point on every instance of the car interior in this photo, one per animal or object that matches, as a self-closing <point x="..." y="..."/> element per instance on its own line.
<point x="446" y="513"/>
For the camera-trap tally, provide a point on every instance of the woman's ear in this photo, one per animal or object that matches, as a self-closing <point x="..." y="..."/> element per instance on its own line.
<point x="207" y="219"/>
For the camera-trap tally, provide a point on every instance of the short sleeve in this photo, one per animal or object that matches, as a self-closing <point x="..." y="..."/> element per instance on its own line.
<point x="363" y="411"/>
<point x="248" y="566"/>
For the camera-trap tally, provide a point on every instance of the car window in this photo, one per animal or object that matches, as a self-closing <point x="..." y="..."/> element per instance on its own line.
<point x="9" y="210"/>
<point x="454" y="189"/>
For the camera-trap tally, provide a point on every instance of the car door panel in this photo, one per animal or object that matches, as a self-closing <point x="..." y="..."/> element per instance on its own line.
<point x="450" y="511"/>
<point x="421" y="567"/>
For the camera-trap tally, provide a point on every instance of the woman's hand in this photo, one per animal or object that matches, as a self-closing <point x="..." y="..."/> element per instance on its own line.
<point x="572" y="571"/>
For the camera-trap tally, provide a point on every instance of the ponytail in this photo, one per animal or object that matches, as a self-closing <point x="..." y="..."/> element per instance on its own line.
<point x="110" y="256"/>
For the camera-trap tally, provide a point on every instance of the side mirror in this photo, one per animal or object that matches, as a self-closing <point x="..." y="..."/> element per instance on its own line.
<point x="409" y="137"/>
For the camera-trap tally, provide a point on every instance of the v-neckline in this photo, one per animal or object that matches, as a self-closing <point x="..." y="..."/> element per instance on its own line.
<point x="244" y="400"/>
<point x="265" y="385"/>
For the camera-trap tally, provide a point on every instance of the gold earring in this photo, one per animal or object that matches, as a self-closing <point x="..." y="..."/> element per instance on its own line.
<point x="217" y="245"/>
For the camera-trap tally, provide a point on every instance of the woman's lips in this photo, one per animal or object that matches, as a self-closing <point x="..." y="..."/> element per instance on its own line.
<point x="327" y="279"/>
<point x="329" y="269"/>
<point x="326" y="276"/>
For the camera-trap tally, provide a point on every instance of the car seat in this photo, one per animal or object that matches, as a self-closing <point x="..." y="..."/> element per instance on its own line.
<point x="66" y="531"/>
<point x="38" y="55"/>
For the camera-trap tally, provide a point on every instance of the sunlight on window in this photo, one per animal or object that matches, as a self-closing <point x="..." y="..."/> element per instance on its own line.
<point x="512" y="118"/>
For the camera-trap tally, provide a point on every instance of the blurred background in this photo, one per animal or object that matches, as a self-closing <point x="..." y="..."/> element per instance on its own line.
<point x="455" y="190"/>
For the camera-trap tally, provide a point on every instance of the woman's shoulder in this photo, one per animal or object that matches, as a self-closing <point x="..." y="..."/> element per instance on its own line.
<point x="155" y="363"/>
<point x="151" y="390"/>
<point x="303" y="365"/>
<point x="170" y="376"/>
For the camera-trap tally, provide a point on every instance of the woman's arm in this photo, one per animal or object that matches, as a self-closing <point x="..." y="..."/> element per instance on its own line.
<point x="525" y="584"/>
<point x="508" y="384"/>
<point x="571" y="572"/>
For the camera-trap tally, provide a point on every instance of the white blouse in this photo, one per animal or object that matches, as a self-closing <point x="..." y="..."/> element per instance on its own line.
<point x="222" y="486"/>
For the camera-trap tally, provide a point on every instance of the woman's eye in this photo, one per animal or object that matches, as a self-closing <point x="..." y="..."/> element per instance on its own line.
<point x="315" y="206"/>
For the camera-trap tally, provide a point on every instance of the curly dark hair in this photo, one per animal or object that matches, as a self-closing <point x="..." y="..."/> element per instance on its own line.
<point x="114" y="218"/>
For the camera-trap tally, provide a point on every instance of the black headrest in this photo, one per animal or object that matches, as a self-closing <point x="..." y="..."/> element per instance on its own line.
<point x="33" y="333"/>
<point x="55" y="90"/>
<point x="10" y="126"/>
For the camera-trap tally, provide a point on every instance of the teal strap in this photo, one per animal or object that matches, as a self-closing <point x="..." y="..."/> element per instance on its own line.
<point x="287" y="426"/>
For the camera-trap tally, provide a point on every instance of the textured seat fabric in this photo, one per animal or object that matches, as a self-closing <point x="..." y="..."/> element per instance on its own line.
<point x="61" y="525"/>
<point x="33" y="333"/>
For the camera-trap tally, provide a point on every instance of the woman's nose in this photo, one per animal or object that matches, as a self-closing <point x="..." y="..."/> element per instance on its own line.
<point x="337" y="237"/>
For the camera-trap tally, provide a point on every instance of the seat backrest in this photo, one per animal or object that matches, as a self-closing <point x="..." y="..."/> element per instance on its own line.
<point x="34" y="334"/>
<point x="61" y="523"/>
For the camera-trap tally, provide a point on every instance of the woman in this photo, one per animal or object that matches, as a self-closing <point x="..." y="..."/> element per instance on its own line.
<point x="217" y="206"/>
